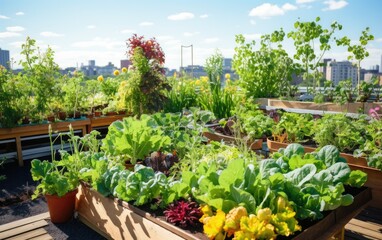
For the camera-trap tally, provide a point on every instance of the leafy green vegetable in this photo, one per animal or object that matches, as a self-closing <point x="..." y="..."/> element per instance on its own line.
<point x="134" y="138"/>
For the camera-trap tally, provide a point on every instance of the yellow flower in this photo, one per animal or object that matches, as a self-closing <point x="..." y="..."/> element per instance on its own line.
<point x="124" y="70"/>
<point x="207" y="212"/>
<point x="232" y="221"/>
<point x="174" y="74"/>
<point x="116" y="73"/>
<point x="100" y="78"/>
<point x="227" y="76"/>
<point x="123" y="83"/>
<point x="264" y="214"/>
<point x="197" y="82"/>
<point x="214" y="225"/>
<point x="204" y="79"/>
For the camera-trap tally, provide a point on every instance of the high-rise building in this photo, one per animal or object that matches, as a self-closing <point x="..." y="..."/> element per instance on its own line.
<point x="338" y="71"/>
<point x="4" y="58"/>
<point x="92" y="63"/>
<point x="227" y="64"/>
<point x="380" y="66"/>
<point x="125" y="63"/>
<point x="325" y="66"/>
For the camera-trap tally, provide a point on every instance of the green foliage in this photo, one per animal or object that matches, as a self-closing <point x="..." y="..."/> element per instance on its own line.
<point x="218" y="100"/>
<point x="74" y="93"/>
<point x="293" y="128"/>
<point x="40" y="73"/>
<point x="142" y="186"/>
<point x="134" y="138"/>
<point x="308" y="37"/>
<point x="10" y="94"/>
<point x="266" y="72"/>
<point x="343" y="92"/>
<point x="372" y="147"/>
<point x="182" y="95"/>
<point x="146" y="85"/>
<point x="358" y="52"/>
<point x="338" y="130"/>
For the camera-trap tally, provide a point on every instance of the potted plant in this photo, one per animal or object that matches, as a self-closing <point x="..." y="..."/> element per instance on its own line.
<point x="58" y="181"/>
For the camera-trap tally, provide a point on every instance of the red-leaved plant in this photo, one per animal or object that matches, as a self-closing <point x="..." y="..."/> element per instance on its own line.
<point x="151" y="48"/>
<point x="183" y="213"/>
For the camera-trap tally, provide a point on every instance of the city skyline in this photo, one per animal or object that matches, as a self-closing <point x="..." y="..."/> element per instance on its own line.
<point x="79" y="31"/>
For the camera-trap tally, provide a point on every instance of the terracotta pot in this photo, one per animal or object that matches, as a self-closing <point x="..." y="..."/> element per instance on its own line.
<point x="97" y="114"/>
<point x="76" y="115"/>
<point x="61" y="209"/>
<point x="62" y="115"/>
<point x="111" y="113"/>
<point x="50" y="118"/>
<point x="90" y="115"/>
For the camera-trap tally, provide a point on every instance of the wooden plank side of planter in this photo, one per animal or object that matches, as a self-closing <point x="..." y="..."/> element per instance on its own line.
<point x="333" y="107"/>
<point x="118" y="222"/>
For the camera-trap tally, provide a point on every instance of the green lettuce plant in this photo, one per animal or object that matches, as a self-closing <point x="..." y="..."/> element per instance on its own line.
<point x="134" y="138"/>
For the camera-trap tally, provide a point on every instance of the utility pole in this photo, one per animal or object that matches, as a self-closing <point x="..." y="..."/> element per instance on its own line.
<point x="192" y="58"/>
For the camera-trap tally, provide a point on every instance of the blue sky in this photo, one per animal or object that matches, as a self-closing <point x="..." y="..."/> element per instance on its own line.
<point x="82" y="30"/>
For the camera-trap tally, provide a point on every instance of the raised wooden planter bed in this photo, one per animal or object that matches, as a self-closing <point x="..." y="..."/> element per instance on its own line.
<point x="255" y="145"/>
<point x="40" y="129"/>
<point x="374" y="176"/>
<point x="103" y="121"/>
<point x="119" y="220"/>
<point x="115" y="219"/>
<point x="346" y="108"/>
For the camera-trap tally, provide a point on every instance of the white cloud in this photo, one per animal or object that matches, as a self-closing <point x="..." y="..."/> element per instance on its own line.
<point x="145" y="24"/>
<point x="378" y="40"/>
<point x="164" y="38"/>
<point x="288" y="7"/>
<point x="106" y="43"/>
<point x="3" y="17"/>
<point x="190" y="34"/>
<point x="334" y="5"/>
<point x="124" y="31"/>
<point x="204" y="16"/>
<point x="267" y="10"/>
<point x="211" y="40"/>
<point x="15" y="29"/>
<point x="173" y="42"/>
<point x="181" y="16"/>
<point x="253" y="22"/>
<point x="20" y="13"/>
<point x="16" y="44"/>
<point x="91" y="26"/>
<point x="255" y="36"/>
<point x="51" y="34"/>
<point x="9" y="34"/>
<point x="304" y="1"/>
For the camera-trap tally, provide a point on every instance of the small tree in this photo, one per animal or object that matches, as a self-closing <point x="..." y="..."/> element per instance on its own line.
<point x="357" y="51"/>
<point x="307" y="36"/>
